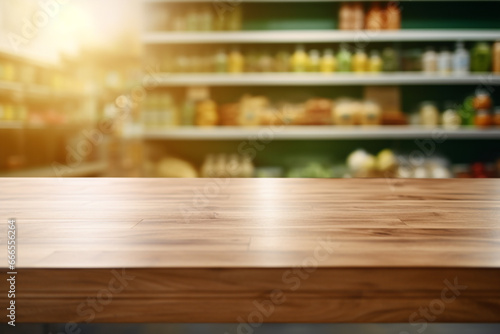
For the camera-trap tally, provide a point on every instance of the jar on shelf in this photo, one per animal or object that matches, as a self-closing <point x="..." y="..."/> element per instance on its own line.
<point x="344" y="59"/>
<point x="450" y="117"/>
<point x="483" y="118"/>
<point x="299" y="59"/>
<point x="390" y="60"/>
<point x="375" y="62"/>
<point x="314" y="61"/>
<point x="496" y="116"/>
<point x="392" y="16"/>
<point x="444" y="62"/>
<point x="375" y="17"/>
<point x="496" y="57"/>
<point x="359" y="61"/>
<point x="429" y="114"/>
<point x="345" y="16"/>
<point x="482" y="100"/>
<point x="429" y="60"/>
<point x="328" y="62"/>
<point x="221" y="61"/>
<point x="358" y="16"/>
<point x="282" y="63"/>
<point x="235" y="62"/>
<point x="371" y="114"/>
<point x="481" y="57"/>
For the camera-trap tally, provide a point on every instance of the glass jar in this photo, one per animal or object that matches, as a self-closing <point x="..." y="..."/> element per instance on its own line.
<point x="481" y="57"/>
<point x="343" y="59"/>
<point x="359" y="61"/>
<point x="483" y="118"/>
<point x="299" y="59"/>
<point x="375" y="18"/>
<point x="375" y="62"/>
<point x="235" y="62"/>
<point x="429" y="114"/>
<point x="314" y="61"/>
<point x="390" y="60"/>
<point x="482" y="100"/>
<point x="496" y="116"/>
<point x="429" y="61"/>
<point x="328" y="62"/>
<point x="450" y="117"/>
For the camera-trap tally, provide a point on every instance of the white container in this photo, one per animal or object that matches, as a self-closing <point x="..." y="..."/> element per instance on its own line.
<point x="444" y="62"/>
<point x="429" y="61"/>
<point x="461" y="59"/>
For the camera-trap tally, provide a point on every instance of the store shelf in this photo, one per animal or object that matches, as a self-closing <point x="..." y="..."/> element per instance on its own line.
<point x="38" y="91"/>
<point x="319" y="79"/>
<point x="320" y="36"/>
<point x="11" y="87"/>
<point x="318" y="133"/>
<point x="85" y="169"/>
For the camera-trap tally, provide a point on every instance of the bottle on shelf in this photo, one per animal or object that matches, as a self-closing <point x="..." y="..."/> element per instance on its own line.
<point x="193" y="19"/>
<point x="358" y="16"/>
<point x="220" y="61"/>
<point x="392" y="16"/>
<point x="328" y="62"/>
<point x="299" y="59"/>
<point x="390" y="60"/>
<point x="206" y="18"/>
<point x="167" y="112"/>
<point x="344" y="59"/>
<point x="483" y="118"/>
<point x="282" y="63"/>
<point x="481" y="57"/>
<point x="375" y="62"/>
<point x="444" y="62"/>
<point x="265" y="62"/>
<point x="359" y="61"/>
<point x="429" y="114"/>
<point x="496" y="57"/>
<point x="234" y="20"/>
<point x="450" y="117"/>
<point x="429" y="60"/>
<point x="235" y="61"/>
<point x="496" y="117"/>
<point x="461" y="59"/>
<point x="345" y="16"/>
<point x="375" y="17"/>
<point x="314" y="61"/>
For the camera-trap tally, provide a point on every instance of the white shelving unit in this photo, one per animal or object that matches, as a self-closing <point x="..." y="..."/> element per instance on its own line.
<point x="318" y="133"/>
<point x="154" y="38"/>
<point x="319" y="36"/>
<point x="319" y="79"/>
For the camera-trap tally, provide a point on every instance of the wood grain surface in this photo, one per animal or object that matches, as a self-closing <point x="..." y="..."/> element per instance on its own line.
<point x="252" y="250"/>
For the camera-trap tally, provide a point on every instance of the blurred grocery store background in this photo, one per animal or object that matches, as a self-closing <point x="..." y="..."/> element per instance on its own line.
<point x="255" y="88"/>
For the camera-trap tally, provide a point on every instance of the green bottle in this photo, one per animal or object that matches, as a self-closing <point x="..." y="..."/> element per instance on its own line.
<point x="343" y="59"/>
<point x="481" y="57"/>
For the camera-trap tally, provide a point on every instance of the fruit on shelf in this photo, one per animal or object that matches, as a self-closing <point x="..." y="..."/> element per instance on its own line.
<point x="175" y="167"/>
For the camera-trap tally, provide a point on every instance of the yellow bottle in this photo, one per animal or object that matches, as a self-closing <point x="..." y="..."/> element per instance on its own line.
<point x="328" y="62"/>
<point x="236" y="62"/>
<point x="375" y="62"/>
<point x="359" y="61"/>
<point x="299" y="59"/>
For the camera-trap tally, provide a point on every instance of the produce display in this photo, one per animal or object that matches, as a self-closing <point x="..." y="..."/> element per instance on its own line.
<point x="482" y="58"/>
<point x="358" y="164"/>
<point x="160" y="110"/>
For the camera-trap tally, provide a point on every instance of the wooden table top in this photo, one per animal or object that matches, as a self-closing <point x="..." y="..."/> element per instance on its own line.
<point x="360" y="250"/>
